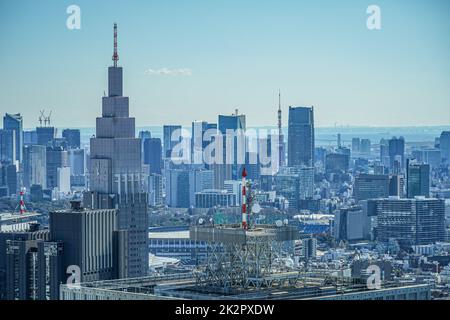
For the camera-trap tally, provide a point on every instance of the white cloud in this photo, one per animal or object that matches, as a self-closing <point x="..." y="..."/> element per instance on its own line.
<point x="169" y="72"/>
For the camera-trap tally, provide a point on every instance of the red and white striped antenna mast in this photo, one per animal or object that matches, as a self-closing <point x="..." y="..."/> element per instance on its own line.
<point x="115" y="56"/>
<point x="21" y="206"/>
<point x="244" y="199"/>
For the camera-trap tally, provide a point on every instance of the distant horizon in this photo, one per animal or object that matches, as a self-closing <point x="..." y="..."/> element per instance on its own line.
<point x="443" y="126"/>
<point x="325" y="136"/>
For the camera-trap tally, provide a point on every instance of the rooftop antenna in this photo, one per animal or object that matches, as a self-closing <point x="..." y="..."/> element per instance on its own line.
<point x="279" y="112"/>
<point x="115" y="56"/>
<point x="280" y="133"/>
<point x="21" y="206"/>
<point x="244" y="200"/>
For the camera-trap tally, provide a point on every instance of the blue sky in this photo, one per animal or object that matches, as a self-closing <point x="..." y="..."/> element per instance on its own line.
<point x="239" y="54"/>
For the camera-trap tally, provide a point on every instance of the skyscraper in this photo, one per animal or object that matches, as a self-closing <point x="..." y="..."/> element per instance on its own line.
<point x="153" y="154"/>
<point x="90" y="241"/>
<point x="445" y="145"/>
<point x="384" y="153"/>
<point x="8" y="177"/>
<point x="234" y="126"/>
<point x="177" y="188"/>
<point x="8" y="146"/>
<point x="301" y="136"/>
<point x="35" y="166"/>
<point x="155" y="189"/>
<point x="356" y="145"/>
<point x="417" y="179"/>
<point x="15" y="122"/>
<point x="168" y="130"/>
<point x="337" y="163"/>
<point x="365" y="147"/>
<point x="77" y="162"/>
<point x="45" y="135"/>
<point x="56" y="158"/>
<point x="199" y="128"/>
<point x="396" y="153"/>
<point x="433" y="157"/>
<point x="306" y="180"/>
<point x="73" y="138"/>
<point x="116" y="176"/>
<point x="144" y="135"/>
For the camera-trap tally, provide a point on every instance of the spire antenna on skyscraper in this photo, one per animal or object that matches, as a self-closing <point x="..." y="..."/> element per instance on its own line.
<point x="115" y="55"/>
<point x="279" y="99"/>
<point x="280" y="133"/>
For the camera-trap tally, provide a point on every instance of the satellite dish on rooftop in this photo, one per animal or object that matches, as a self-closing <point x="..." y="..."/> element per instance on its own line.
<point x="200" y="221"/>
<point x="279" y="223"/>
<point x="256" y="208"/>
<point x="286" y="222"/>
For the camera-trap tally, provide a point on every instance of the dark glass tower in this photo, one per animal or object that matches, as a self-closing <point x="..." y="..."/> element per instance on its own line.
<point x="396" y="153"/>
<point x="15" y="122"/>
<point x="417" y="179"/>
<point x="235" y="126"/>
<point x="301" y="136"/>
<point x="153" y="154"/>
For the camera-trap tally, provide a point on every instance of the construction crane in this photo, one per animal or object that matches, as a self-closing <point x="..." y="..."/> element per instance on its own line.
<point x="48" y="118"/>
<point x="41" y="117"/>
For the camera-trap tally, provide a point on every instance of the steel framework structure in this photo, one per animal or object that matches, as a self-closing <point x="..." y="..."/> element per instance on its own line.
<point x="238" y="259"/>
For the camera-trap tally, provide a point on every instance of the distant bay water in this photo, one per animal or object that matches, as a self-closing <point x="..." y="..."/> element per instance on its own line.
<point x="325" y="136"/>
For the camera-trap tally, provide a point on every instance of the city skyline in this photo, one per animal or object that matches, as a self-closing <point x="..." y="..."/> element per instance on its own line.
<point x="229" y="207"/>
<point x="191" y="62"/>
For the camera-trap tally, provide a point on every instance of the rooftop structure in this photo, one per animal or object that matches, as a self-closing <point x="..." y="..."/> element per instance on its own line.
<point x="239" y="258"/>
<point x="182" y="286"/>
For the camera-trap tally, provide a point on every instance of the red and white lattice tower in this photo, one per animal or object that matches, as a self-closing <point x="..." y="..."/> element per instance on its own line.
<point x="244" y="200"/>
